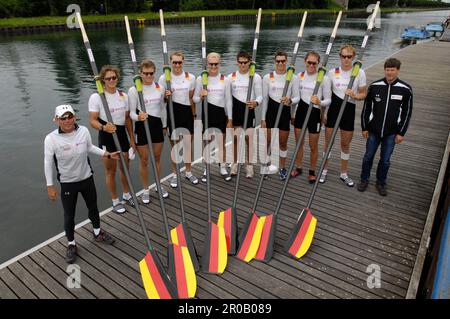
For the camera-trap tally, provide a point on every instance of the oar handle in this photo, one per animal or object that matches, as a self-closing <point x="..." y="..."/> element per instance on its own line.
<point x="101" y="92"/>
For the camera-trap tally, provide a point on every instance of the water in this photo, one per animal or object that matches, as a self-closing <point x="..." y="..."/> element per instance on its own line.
<point x="39" y="72"/>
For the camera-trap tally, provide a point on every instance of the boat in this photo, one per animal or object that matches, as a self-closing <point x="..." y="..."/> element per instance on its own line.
<point x="415" y="33"/>
<point x="435" y="27"/>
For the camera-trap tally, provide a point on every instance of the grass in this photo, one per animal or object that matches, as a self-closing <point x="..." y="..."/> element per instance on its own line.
<point x="51" y="20"/>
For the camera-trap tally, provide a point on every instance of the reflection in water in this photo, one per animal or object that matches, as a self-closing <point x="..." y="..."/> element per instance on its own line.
<point x="42" y="71"/>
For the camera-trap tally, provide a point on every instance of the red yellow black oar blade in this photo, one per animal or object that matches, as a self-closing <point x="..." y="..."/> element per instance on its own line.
<point x="181" y="235"/>
<point x="228" y="220"/>
<point x="265" y="250"/>
<point x="182" y="271"/>
<point x="215" y="256"/>
<point x="301" y="235"/>
<point x="250" y="237"/>
<point x="155" y="279"/>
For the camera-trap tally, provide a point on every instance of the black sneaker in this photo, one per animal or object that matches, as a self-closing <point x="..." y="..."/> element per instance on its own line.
<point x="130" y="201"/>
<point x="71" y="254"/>
<point x="381" y="189"/>
<point x="104" y="237"/>
<point x="362" y="186"/>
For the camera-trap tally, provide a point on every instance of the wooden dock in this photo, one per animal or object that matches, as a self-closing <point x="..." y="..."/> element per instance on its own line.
<point x="354" y="231"/>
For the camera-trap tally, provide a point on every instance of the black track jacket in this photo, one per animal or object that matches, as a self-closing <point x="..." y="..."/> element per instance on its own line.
<point x="387" y="108"/>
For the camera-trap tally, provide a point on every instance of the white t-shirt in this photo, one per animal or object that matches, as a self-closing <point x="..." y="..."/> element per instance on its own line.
<point x="307" y="83"/>
<point x="239" y="87"/>
<point x="181" y="86"/>
<point x="219" y="93"/>
<point x="153" y="99"/>
<point x="340" y="79"/>
<point x="71" y="152"/>
<point x="273" y="86"/>
<point x="117" y="103"/>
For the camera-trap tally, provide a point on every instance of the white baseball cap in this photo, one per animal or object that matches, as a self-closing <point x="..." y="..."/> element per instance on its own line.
<point x="60" y="110"/>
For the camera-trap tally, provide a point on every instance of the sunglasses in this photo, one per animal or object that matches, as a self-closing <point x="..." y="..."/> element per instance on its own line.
<point x="148" y="73"/>
<point x="177" y="62"/>
<point x="213" y="64"/>
<point x="346" y="56"/>
<point x="280" y="61"/>
<point x="243" y="62"/>
<point x="312" y="62"/>
<point x="67" y="117"/>
<point x="111" y="78"/>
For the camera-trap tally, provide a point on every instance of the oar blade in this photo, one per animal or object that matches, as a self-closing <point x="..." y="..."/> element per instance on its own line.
<point x="228" y="220"/>
<point x="155" y="279"/>
<point x="181" y="235"/>
<point x="301" y="236"/>
<point x="250" y="237"/>
<point x="215" y="256"/>
<point x="265" y="249"/>
<point x="181" y="270"/>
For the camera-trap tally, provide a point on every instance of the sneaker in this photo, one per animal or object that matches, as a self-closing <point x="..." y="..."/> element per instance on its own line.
<point x="347" y="180"/>
<point x="234" y="169"/>
<point x="283" y="174"/>
<point x="71" y="254"/>
<point x="192" y="179"/>
<point x="250" y="172"/>
<point x="204" y="180"/>
<point x="145" y="198"/>
<point x="119" y="209"/>
<point x="362" y="186"/>
<point x="271" y="169"/>
<point x="381" y="189"/>
<point x="174" y="182"/>
<point x="296" y="171"/>
<point x="104" y="237"/>
<point x="224" y="173"/>
<point x="312" y="179"/>
<point x="323" y="178"/>
<point x="165" y="194"/>
<point x="130" y="201"/>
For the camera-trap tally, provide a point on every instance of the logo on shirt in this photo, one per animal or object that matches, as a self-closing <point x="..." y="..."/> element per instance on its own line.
<point x="377" y="98"/>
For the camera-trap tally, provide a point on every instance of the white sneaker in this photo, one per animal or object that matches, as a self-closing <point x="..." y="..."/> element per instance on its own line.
<point x="165" y="194"/>
<point x="323" y="178"/>
<point x="272" y="169"/>
<point x="224" y="173"/>
<point x="146" y="197"/>
<point x="234" y="169"/>
<point x="250" y="173"/>
<point x="204" y="180"/>
<point x="174" y="182"/>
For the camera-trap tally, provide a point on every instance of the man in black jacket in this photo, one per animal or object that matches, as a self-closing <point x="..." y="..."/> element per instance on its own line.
<point x="384" y="120"/>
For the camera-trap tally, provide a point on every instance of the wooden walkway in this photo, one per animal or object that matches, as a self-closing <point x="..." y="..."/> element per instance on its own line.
<point x="354" y="229"/>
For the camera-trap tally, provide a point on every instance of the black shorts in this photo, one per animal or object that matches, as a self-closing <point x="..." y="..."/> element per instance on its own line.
<point x="271" y="116"/>
<point x="239" y="112"/>
<point x="314" y="118"/>
<point x="183" y="117"/>
<point x="156" y="131"/>
<point x="105" y="139"/>
<point x="216" y="118"/>
<point x="348" y="118"/>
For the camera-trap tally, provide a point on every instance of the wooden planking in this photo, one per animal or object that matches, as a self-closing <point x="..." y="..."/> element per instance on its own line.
<point x="16" y="285"/>
<point x="5" y="292"/>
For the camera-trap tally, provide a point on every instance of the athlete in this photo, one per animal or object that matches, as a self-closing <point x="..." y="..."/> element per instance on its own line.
<point x="239" y="88"/>
<point x="340" y="77"/>
<point x="273" y="85"/>
<point x="182" y="90"/>
<point x="307" y="82"/>
<point x="156" y="117"/>
<point x="118" y="106"/>
<point x="68" y="147"/>
<point x="220" y="113"/>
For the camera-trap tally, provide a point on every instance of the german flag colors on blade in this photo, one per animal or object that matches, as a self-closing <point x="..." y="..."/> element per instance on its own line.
<point x="227" y="220"/>
<point x="215" y="252"/>
<point x="251" y="237"/>
<point x="265" y="250"/>
<point x="181" y="235"/>
<point x="182" y="271"/>
<point x="156" y="284"/>
<point x="301" y="235"/>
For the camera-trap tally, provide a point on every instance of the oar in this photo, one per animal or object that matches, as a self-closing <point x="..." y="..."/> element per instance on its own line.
<point x="215" y="257"/>
<point x="258" y="223"/>
<point x="180" y="264"/>
<point x="156" y="281"/>
<point x="181" y="234"/>
<point x="302" y="234"/>
<point x="228" y="218"/>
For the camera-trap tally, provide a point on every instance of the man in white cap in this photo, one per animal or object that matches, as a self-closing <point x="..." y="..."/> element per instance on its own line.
<point x="68" y="147"/>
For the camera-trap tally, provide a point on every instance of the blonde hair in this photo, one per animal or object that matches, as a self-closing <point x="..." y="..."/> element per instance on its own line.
<point x="108" y="68"/>
<point x="349" y="48"/>
<point x="147" y="64"/>
<point x="213" y="55"/>
<point x="177" y="53"/>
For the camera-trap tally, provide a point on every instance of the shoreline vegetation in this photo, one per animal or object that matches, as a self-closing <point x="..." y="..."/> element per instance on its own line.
<point x="61" y="20"/>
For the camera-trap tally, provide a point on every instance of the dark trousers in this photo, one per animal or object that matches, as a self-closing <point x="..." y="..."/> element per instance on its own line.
<point x="387" y="147"/>
<point x="69" y="195"/>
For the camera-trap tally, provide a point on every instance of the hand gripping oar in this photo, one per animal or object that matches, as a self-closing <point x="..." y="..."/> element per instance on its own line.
<point x="215" y="257"/>
<point x="302" y="234"/>
<point x="258" y="224"/>
<point x="156" y="281"/>
<point x="228" y="218"/>
<point x="181" y="234"/>
<point x="180" y="265"/>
